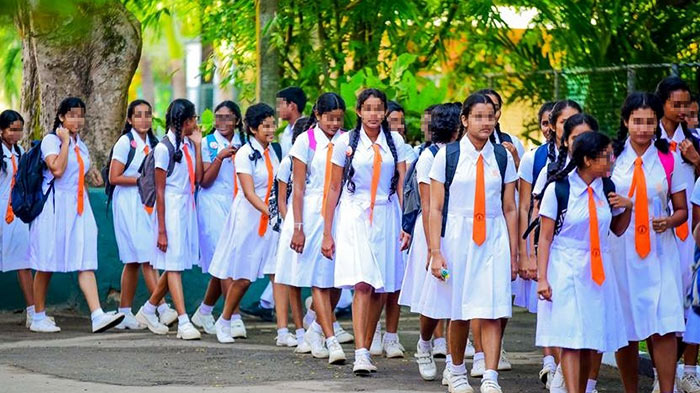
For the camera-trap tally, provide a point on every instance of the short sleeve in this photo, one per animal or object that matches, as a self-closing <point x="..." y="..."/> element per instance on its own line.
<point x="411" y="155"/>
<point x="548" y="205"/>
<point x="121" y="149"/>
<point x="400" y="147"/>
<point x="425" y="162"/>
<point x="695" y="196"/>
<point x="527" y="161"/>
<point x="511" y="174"/>
<point x="340" y="149"/>
<point x="437" y="170"/>
<point x="284" y="172"/>
<point x="161" y="156"/>
<point x="50" y="146"/>
<point x="676" y="185"/>
<point x="540" y="182"/>
<point x="206" y="152"/>
<point x="300" y="149"/>
<point x="518" y="146"/>
<point x="242" y="162"/>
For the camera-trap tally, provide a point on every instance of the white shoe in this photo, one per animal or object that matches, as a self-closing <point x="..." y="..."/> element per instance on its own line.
<point x="129" y="322"/>
<point x="426" y="365"/>
<point x="336" y="355"/>
<point x="30" y="317"/>
<point x="558" y="385"/>
<point x="689" y="383"/>
<point x="44" y="326"/>
<point x="168" y="317"/>
<point x="459" y="384"/>
<point x="656" y="388"/>
<point x="393" y="349"/>
<point x="376" y="348"/>
<point x="204" y="322"/>
<point x="223" y="332"/>
<point x="287" y="340"/>
<point x="151" y="321"/>
<point x="362" y="366"/>
<point x="343" y="336"/>
<point x="446" y="376"/>
<point x="315" y="341"/>
<point x="440" y="349"/>
<point x="478" y="368"/>
<point x="469" y="350"/>
<point x="238" y="329"/>
<point x="489" y="386"/>
<point x="547" y="375"/>
<point x="503" y="363"/>
<point x="187" y="331"/>
<point x="107" y="321"/>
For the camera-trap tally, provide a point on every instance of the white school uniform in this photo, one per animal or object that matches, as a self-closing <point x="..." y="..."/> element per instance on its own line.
<point x="692" y="325"/>
<point x="214" y="202"/>
<point x="245" y="254"/>
<point x="310" y="268"/>
<point x="133" y="226"/>
<point x="14" y="237"/>
<point x="62" y="240"/>
<point x="368" y="252"/>
<point x="414" y="277"/>
<point x="180" y="211"/>
<point x="581" y="314"/>
<point x="651" y="289"/>
<point x="479" y="286"/>
<point x="284" y="174"/>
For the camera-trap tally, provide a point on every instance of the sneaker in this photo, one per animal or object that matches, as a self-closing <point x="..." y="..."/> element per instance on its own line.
<point x="362" y="366"/>
<point x="107" y="321"/>
<point x="223" y="332"/>
<point x="336" y="355"/>
<point x="558" y="385"/>
<point x="151" y="321"/>
<point x="503" y="363"/>
<point x="204" y="322"/>
<point x="315" y="341"/>
<point x="238" y="329"/>
<point x="446" y="376"/>
<point x="459" y="384"/>
<point x="656" y="388"/>
<point x="169" y="316"/>
<point x="30" y="317"/>
<point x="469" y="350"/>
<point x="129" y="322"/>
<point x="287" y="340"/>
<point x="255" y="310"/>
<point x="689" y="383"/>
<point x="478" y="368"/>
<point x="343" y="336"/>
<point x="489" y="386"/>
<point x="426" y="365"/>
<point x="393" y="349"/>
<point x="376" y="348"/>
<point x="547" y="375"/>
<point x="44" y="326"/>
<point x="440" y="349"/>
<point x="187" y="331"/>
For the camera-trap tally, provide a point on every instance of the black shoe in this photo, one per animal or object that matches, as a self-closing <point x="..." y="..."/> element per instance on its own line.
<point x="266" y="314"/>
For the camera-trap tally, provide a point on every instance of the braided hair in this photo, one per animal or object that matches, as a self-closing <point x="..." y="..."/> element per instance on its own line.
<point x="326" y="102"/>
<point x="663" y="91"/>
<point x="564" y="148"/>
<point x="348" y="170"/>
<point x="632" y="103"/>
<point x="7" y="117"/>
<point x="151" y="138"/>
<point x="560" y="162"/>
<point x="233" y="107"/>
<point x="178" y="112"/>
<point x="551" y="142"/>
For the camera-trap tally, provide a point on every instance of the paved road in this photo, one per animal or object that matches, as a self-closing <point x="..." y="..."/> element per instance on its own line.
<point x="76" y="360"/>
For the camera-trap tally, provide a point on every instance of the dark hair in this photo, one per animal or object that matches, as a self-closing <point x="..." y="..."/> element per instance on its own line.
<point x="299" y="128"/>
<point x="255" y="115"/>
<point x="7" y="117"/>
<point x="178" y="112"/>
<point x="233" y="107"/>
<point x="325" y="103"/>
<point x="488" y="93"/>
<point x="633" y="102"/>
<point x="469" y="103"/>
<point x="546" y="107"/>
<point x="564" y="148"/>
<point x="348" y="170"/>
<point x="664" y="90"/>
<point x="430" y="108"/>
<point x="293" y="94"/>
<point x="150" y="137"/>
<point x="551" y="140"/>
<point x="554" y="113"/>
<point x="394" y="106"/>
<point x="64" y="107"/>
<point x="444" y="122"/>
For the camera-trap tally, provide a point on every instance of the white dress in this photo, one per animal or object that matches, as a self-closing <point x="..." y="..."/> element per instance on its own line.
<point x="651" y="289"/>
<point x="479" y="286"/>
<point x="284" y="175"/>
<point x="14" y="237"/>
<point x="214" y="202"/>
<point x="310" y="268"/>
<point x="412" y="286"/>
<point x="180" y="211"/>
<point x="582" y="314"/>
<point x="133" y="226"/>
<point x="61" y="239"/>
<point x="692" y="326"/>
<point x="368" y="252"/>
<point x="245" y="254"/>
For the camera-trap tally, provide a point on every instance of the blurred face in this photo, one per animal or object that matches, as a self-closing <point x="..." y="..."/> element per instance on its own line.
<point x="142" y="119"/>
<point x="563" y="117"/>
<point x="396" y="122"/>
<point x="641" y="125"/>
<point x="74" y="120"/>
<point x="544" y="124"/>
<point x="284" y="109"/>
<point x="578" y="130"/>
<point x="265" y="133"/>
<point x="225" y="120"/>
<point x="497" y="106"/>
<point x="481" y="122"/>
<point x="692" y="118"/>
<point x="331" y="122"/>
<point x="677" y="105"/>
<point x="190" y="125"/>
<point x="601" y="165"/>
<point x="372" y="113"/>
<point x="12" y="134"/>
<point x="424" y="125"/>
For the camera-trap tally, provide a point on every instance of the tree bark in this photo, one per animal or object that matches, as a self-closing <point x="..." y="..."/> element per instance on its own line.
<point x="268" y="68"/>
<point x="83" y="50"/>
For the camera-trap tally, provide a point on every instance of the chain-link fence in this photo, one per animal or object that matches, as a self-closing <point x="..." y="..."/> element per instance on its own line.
<point x="600" y="91"/>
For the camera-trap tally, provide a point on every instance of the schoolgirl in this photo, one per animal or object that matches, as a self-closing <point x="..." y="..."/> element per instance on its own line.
<point x="63" y="237"/>
<point x="368" y="166"/>
<point x="214" y="200"/>
<point x="580" y="311"/>
<point x="483" y="172"/>
<point x="178" y="170"/>
<point x="245" y="256"/>
<point x="648" y="267"/>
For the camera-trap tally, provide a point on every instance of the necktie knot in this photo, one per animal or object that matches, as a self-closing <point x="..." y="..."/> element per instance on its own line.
<point x="673" y="145"/>
<point x="638" y="162"/>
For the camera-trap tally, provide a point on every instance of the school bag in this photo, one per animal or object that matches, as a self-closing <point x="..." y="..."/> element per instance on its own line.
<point x="275" y="218"/>
<point x="146" y="181"/>
<point x="28" y="198"/>
<point x="451" y="160"/>
<point x="109" y="187"/>
<point x="411" y="196"/>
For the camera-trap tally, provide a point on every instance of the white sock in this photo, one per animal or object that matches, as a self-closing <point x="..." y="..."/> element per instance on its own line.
<point x="149" y="308"/>
<point x="549" y="361"/>
<point x="379" y="327"/>
<point x="590" y="385"/>
<point x="205" y="309"/>
<point x="329" y="340"/>
<point x="490" y="375"/>
<point x="163" y="308"/>
<point x="440" y="340"/>
<point x="448" y="359"/>
<point x="225" y="322"/>
<point x="458" y="369"/>
<point x="30" y="310"/>
<point x="309" y="317"/>
<point x="300" y="335"/>
<point x="235" y="317"/>
<point x="390" y="337"/>
<point x="39" y="316"/>
<point x="424" y="346"/>
<point x="336" y="326"/>
<point x="479" y="356"/>
<point x="689" y="370"/>
<point x="183" y="319"/>
<point x="125" y="310"/>
<point x="656" y="375"/>
<point x="282" y="332"/>
<point x="361" y="352"/>
<point x="95" y="315"/>
<point x="315" y="327"/>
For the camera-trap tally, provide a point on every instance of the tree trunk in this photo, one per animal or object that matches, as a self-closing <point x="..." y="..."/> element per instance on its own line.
<point x="268" y="69"/>
<point x="147" y="82"/>
<point x="83" y="50"/>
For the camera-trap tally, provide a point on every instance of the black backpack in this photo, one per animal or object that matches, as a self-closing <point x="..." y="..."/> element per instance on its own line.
<point x="452" y="158"/>
<point x="411" y="196"/>
<point x="275" y="218"/>
<point x="109" y="187"/>
<point x="28" y="199"/>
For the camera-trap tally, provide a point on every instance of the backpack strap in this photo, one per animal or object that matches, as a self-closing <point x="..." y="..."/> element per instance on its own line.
<point x="211" y="139"/>
<point x="18" y="151"/>
<point x="434" y="149"/>
<point x="132" y="150"/>
<point x="561" y="190"/>
<point x="312" y="139"/>
<point x="278" y="150"/>
<point x="667" y="161"/>
<point x="505" y="138"/>
<point x="502" y="160"/>
<point x="451" y="160"/>
<point x="608" y="187"/>
<point x="540" y="161"/>
<point x="171" y="153"/>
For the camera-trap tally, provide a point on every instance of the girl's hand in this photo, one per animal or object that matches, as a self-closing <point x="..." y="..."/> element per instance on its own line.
<point x="544" y="291"/>
<point x="63" y="134"/>
<point x="298" y="240"/>
<point x="513" y="151"/>
<point x="659" y="224"/>
<point x="617" y="201"/>
<point x="328" y="246"/>
<point x="196" y="136"/>
<point x="513" y="268"/>
<point x="437" y="264"/>
<point x="405" y="240"/>
<point x="162" y="241"/>
<point x="226" y="152"/>
<point x="527" y="267"/>
<point x="688" y="151"/>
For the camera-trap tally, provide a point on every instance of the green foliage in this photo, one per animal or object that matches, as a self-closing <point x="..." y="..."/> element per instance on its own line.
<point x="206" y="120"/>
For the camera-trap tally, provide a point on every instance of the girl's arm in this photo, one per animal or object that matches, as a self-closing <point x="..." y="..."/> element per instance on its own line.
<point x="299" y="188"/>
<point x="679" y="216"/>
<point x="211" y="170"/>
<point x="437" y="200"/>
<point x="510" y="211"/>
<point x="401" y="167"/>
<point x="116" y="175"/>
<point x="248" y="187"/>
<point x="527" y="261"/>
<point x="57" y="163"/>
<point x="328" y="245"/>
<point x="161" y="176"/>
<point x="424" y="192"/>
<point x="619" y="223"/>
<point x="544" y="290"/>
<point x="282" y="197"/>
<point x="198" y="154"/>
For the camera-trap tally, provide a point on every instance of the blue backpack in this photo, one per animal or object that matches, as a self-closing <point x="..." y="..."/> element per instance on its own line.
<point x="28" y="199"/>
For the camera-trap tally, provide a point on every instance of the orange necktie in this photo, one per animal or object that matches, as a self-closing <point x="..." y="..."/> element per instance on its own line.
<point x="479" y="233"/>
<point x="81" y="179"/>
<point x="681" y="230"/>
<point x="190" y="166"/>
<point x="326" y="178"/>
<point x="376" y="174"/>
<point x="264" y="218"/>
<point x="597" y="271"/>
<point x="149" y="210"/>
<point x="642" y="243"/>
<point x="9" y="214"/>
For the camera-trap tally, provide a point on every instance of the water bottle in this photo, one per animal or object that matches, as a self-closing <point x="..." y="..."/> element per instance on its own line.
<point x="444" y="273"/>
